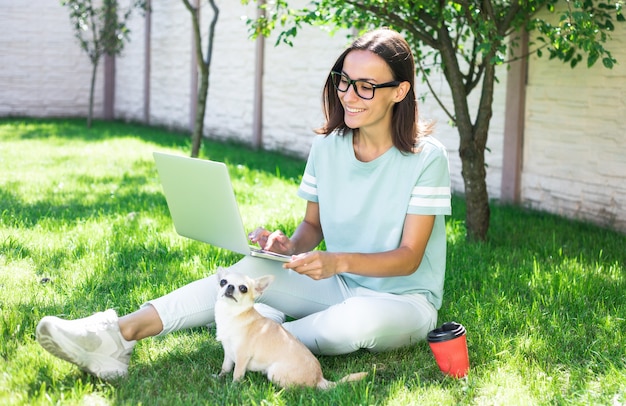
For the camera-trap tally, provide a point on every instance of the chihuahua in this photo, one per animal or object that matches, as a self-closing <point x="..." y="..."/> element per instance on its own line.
<point x="255" y="343"/>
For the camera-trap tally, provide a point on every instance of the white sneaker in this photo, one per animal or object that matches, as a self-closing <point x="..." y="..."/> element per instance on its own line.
<point x="93" y="343"/>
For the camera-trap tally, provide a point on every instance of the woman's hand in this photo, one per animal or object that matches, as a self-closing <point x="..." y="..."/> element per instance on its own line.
<point x="315" y="264"/>
<point x="275" y="242"/>
<point x="401" y="261"/>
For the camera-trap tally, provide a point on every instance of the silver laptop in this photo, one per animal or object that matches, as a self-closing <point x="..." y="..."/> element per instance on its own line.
<point x="202" y="204"/>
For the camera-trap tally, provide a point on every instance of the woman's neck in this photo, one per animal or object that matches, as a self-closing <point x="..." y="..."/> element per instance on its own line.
<point x="368" y="147"/>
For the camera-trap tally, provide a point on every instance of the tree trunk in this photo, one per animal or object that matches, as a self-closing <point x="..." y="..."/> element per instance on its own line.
<point x="472" y="152"/>
<point x="203" y="91"/>
<point x="476" y="197"/>
<point x="473" y="138"/>
<point x="204" y="68"/>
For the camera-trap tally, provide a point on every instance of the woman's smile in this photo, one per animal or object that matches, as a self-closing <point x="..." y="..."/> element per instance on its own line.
<point x="353" y="110"/>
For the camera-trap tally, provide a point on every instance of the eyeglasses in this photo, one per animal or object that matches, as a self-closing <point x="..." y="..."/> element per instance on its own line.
<point x="362" y="88"/>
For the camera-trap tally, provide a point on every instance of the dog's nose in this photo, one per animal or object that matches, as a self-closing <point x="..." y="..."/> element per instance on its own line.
<point x="230" y="289"/>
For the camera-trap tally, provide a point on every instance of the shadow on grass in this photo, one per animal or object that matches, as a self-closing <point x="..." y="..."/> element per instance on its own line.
<point x="16" y="212"/>
<point x="128" y="196"/>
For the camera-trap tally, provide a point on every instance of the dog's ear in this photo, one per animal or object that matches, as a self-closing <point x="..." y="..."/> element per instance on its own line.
<point x="260" y="284"/>
<point x="220" y="273"/>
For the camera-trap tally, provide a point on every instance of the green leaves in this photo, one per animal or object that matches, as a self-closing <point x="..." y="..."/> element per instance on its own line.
<point x="477" y="31"/>
<point x="101" y="29"/>
<point x="583" y="29"/>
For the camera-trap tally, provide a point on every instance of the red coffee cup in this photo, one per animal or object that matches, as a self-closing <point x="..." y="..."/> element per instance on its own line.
<point x="449" y="346"/>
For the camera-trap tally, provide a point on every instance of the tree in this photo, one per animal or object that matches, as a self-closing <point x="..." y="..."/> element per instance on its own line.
<point x="204" y="67"/>
<point x="465" y="40"/>
<point x="100" y="31"/>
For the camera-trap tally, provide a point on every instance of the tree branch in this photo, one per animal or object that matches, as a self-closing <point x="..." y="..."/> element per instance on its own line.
<point x="216" y="13"/>
<point x="196" y="29"/>
<point x="404" y="23"/>
<point x="432" y="91"/>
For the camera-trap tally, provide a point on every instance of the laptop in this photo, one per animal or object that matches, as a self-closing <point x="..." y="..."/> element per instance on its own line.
<point x="202" y="204"/>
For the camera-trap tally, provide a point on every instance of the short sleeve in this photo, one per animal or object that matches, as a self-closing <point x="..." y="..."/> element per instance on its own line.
<point x="308" y="184"/>
<point x="431" y="193"/>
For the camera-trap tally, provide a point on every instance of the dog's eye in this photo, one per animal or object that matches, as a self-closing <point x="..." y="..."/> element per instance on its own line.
<point x="223" y="282"/>
<point x="243" y="288"/>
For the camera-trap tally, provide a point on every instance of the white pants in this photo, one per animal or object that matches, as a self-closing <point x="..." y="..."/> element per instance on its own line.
<point x="331" y="318"/>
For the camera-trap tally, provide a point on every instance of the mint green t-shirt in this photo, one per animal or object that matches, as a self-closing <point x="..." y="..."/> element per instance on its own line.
<point x="363" y="206"/>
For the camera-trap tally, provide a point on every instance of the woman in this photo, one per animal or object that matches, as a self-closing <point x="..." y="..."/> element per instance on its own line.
<point x="377" y="189"/>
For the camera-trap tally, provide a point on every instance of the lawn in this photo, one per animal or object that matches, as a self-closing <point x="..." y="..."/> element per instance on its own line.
<point x="84" y="227"/>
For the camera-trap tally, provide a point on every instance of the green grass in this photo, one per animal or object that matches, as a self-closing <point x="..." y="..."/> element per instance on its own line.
<point x="84" y="227"/>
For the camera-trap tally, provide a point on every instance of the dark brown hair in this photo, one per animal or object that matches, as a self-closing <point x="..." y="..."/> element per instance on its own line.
<point x="395" y="51"/>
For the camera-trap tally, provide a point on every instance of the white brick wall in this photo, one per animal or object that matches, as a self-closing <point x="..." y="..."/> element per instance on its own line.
<point x="574" y="143"/>
<point x="43" y="71"/>
<point x="231" y="87"/>
<point x="171" y="64"/>
<point x="574" y="154"/>
<point x="129" y="78"/>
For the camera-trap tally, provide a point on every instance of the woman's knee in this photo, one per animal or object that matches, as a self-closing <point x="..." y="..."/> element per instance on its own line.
<point x="365" y="323"/>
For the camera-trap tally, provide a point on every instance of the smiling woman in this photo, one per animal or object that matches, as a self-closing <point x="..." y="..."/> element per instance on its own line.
<point x="383" y="266"/>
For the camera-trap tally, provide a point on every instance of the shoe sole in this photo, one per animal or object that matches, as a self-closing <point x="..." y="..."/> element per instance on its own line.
<point x="48" y="340"/>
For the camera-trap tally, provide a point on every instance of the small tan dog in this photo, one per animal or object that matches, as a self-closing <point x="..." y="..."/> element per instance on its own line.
<point x="255" y="343"/>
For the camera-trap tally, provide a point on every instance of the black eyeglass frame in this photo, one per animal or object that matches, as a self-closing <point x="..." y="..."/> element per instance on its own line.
<point x="353" y="82"/>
